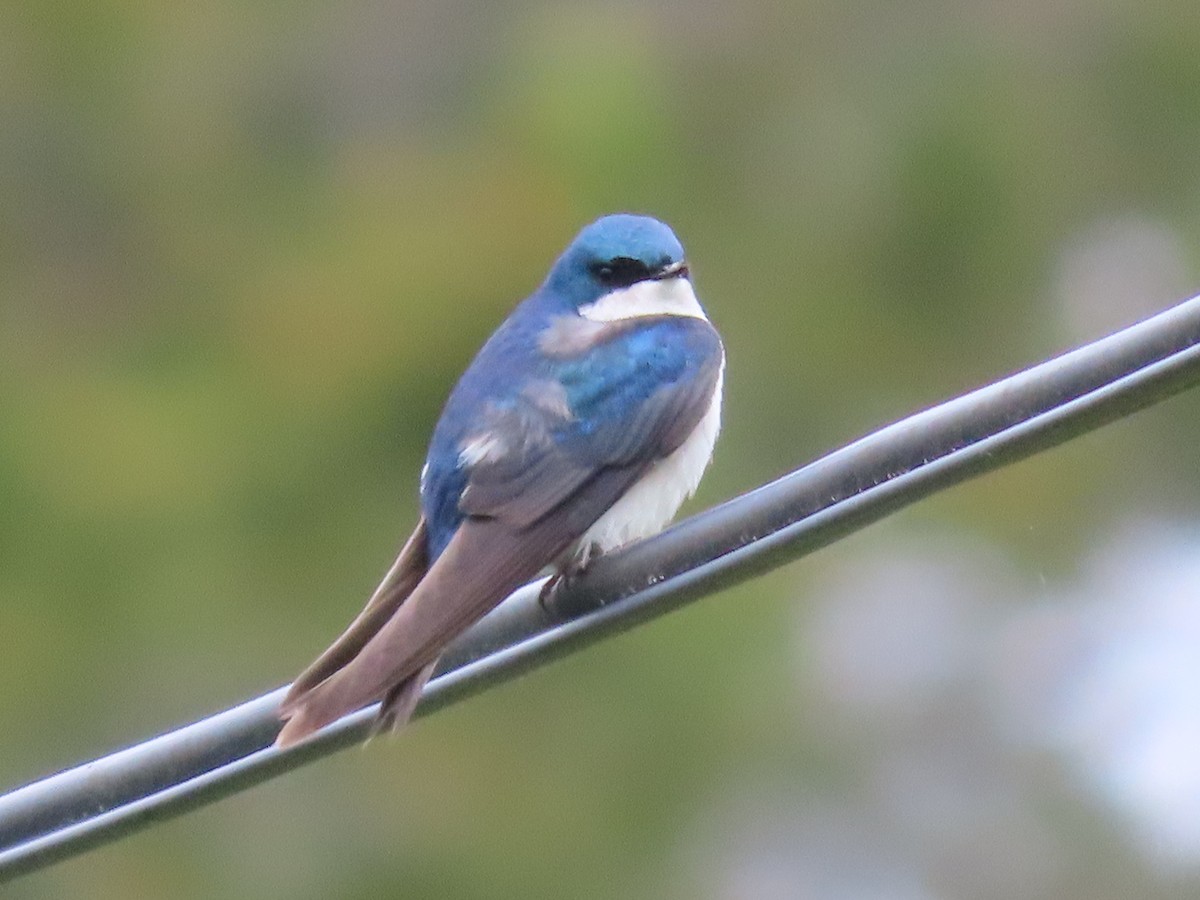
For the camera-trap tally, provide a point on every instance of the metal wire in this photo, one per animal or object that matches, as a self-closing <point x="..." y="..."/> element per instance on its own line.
<point x="1014" y="418"/>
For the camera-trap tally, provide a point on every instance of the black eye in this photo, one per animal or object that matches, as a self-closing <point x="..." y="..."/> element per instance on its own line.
<point x="621" y="271"/>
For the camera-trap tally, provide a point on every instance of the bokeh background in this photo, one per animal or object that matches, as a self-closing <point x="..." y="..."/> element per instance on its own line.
<point x="245" y="248"/>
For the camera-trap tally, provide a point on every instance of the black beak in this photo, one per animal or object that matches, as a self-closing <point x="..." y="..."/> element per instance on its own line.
<point x="674" y="270"/>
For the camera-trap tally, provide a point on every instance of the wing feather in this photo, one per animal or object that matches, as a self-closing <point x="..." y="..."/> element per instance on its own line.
<point x="548" y="457"/>
<point x="404" y="575"/>
<point x="485" y="561"/>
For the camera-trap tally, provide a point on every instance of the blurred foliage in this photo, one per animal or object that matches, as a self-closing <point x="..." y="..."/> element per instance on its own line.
<point x="247" y="247"/>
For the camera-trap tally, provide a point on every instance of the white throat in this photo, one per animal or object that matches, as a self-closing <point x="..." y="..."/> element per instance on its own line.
<point x="654" y="297"/>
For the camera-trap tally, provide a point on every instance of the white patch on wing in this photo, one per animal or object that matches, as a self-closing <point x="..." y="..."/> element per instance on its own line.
<point x="480" y="447"/>
<point x="652" y="502"/>
<point x="655" y="297"/>
<point x="550" y="397"/>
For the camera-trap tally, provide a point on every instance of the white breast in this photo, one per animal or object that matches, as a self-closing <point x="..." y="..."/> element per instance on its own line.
<point x="650" y="504"/>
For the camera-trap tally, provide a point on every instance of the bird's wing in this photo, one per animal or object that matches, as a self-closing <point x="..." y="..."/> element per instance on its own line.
<point x="620" y="406"/>
<point x="540" y="475"/>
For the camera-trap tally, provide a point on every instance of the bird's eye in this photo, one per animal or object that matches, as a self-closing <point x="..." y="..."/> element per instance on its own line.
<point x="620" y="271"/>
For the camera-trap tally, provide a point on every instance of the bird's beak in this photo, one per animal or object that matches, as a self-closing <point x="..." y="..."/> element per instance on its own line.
<point x="674" y="270"/>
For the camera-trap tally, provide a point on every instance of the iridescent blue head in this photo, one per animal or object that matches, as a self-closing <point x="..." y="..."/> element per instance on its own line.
<point x="616" y="252"/>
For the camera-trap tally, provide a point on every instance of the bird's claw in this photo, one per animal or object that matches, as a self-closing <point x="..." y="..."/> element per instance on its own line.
<point x="563" y="578"/>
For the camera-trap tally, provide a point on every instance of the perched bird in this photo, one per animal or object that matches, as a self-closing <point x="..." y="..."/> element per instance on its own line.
<point x="582" y="425"/>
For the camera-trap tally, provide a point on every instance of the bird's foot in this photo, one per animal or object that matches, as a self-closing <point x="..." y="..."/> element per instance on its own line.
<point x="565" y="576"/>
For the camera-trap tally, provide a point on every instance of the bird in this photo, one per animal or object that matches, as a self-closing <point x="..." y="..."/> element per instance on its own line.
<point x="583" y="423"/>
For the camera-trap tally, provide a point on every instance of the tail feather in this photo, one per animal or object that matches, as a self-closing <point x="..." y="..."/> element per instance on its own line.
<point x="389" y="652"/>
<point x="300" y="722"/>
<point x="401" y="701"/>
<point x="484" y="562"/>
<point x="405" y="574"/>
<point x="325" y="705"/>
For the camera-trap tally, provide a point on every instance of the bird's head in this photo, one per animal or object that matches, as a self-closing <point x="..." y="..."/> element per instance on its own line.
<point x="623" y="265"/>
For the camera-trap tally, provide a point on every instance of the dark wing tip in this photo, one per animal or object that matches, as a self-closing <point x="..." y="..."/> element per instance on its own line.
<point x="337" y="696"/>
<point x="296" y="727"/>
<point x="309" y="713"/>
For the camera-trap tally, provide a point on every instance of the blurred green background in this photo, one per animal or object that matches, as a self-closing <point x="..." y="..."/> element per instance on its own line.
<point x="245" y="249"/>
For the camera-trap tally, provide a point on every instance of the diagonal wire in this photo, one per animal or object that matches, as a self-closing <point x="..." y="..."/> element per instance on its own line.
<point x="840" y="493"/>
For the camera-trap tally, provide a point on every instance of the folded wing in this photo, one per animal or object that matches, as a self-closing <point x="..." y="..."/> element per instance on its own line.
<point x="550" y="472"/>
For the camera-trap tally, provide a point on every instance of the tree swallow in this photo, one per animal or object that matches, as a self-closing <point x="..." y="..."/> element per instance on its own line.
<point x="582" y="425"/>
